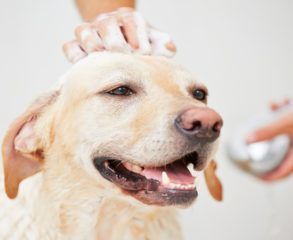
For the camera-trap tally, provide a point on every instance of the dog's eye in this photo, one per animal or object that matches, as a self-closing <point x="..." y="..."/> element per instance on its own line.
<point x="199" y="94"/>
<point x="121" y="91"/>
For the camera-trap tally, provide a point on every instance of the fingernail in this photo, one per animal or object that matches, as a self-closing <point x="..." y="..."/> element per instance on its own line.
<point x="170" y="46"/>
<point x="251" y="138"/>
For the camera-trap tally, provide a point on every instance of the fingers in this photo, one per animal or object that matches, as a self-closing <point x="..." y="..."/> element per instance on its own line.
<point x="73" y="51"/>
<point x="275" y="106"/>
<point x="136" y="32"/>
<point x="124" y="30"/>
<point x="284" y="170"/>
<point x="111" y="35"/>
<point x="88" y="38"/>
<point x="129" y="29"/>
<point x="282" y="126"/>
<point x="214" y="185"/>
<point x="162" y="43"/>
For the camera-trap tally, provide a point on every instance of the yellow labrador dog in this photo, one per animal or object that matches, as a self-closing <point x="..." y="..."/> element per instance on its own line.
<point x="110" y="152"/>
<point x="113" y="151"/>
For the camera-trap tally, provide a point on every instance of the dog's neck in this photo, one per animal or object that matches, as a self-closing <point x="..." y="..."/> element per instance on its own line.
<point x="73" y="207"/>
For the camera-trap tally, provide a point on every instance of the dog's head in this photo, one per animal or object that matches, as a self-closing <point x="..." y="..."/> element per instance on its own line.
<point x="139" y="125"/>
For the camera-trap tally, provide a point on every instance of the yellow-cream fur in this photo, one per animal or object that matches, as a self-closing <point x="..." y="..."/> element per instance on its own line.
<point x="68" y="199"/>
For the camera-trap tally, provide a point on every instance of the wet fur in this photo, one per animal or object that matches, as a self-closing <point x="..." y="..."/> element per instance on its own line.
<point x="68" y="199"/>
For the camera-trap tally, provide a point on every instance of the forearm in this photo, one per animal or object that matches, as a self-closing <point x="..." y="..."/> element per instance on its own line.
<point x="89" y="9"/>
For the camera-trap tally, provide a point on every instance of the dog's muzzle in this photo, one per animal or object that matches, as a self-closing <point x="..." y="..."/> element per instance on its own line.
<point x="199" y="124"/>
<point x="171" y="184"/>
<point x="174" y="183"/>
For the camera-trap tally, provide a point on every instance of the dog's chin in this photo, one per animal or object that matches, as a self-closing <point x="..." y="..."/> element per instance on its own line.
<point x="171" y="184"/>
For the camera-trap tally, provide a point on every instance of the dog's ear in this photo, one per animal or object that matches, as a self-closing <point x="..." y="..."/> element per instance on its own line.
<point x="21" y="150"/>
<point x="214" y="185"/>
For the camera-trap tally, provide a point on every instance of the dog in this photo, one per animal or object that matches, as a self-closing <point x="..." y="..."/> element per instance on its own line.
<point x="109" y="153"/>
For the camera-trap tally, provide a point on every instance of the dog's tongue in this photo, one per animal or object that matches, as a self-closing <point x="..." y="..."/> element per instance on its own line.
<point x="177" y="173"/>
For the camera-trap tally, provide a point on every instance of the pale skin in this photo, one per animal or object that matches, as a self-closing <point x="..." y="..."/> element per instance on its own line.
<point x="89" y="9"/>
<point x="153" y="42"/>
<point x="284" y="125"/>
<point x="120" y="30"/>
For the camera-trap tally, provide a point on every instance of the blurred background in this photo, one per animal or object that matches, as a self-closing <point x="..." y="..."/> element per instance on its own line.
<point x="242" y="50"/>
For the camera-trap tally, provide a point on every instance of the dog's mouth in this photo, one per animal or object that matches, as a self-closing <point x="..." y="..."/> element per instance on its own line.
<point x="171" y="184"/>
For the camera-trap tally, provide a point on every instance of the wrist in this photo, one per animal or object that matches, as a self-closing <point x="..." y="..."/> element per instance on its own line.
<point x="89" y="9"/>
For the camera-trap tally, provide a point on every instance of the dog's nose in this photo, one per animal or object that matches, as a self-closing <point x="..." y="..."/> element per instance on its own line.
<point x="199" y="124"/>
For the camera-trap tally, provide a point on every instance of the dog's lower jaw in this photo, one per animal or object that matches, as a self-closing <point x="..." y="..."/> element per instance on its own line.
<point x="133" y="222"/>
<point x="69" y="207"/>
<point x="110" y="219"/>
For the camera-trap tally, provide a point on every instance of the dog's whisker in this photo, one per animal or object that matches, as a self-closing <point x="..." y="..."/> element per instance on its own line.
<point x="100" y="110"/>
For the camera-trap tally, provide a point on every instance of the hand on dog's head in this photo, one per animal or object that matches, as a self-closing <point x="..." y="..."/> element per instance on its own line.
<point x="135" y="110"/>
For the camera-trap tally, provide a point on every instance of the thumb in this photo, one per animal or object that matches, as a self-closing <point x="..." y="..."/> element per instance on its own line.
<point x="284" y="125"/>
<point x="284" y="170"/>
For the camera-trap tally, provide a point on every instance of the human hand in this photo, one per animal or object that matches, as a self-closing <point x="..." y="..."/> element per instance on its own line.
<point x="284" y="125"/>
<point x="124" y="30"/>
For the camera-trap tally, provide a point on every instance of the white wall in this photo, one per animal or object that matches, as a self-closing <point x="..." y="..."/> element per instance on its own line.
<point x="243" y="50"/>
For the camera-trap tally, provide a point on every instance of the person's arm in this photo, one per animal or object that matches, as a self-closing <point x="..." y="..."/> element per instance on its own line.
<point x="123" y="30"/>
<point x="89" y="9"/>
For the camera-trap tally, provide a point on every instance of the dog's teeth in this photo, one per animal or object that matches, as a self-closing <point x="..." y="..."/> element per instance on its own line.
<point x="190" y="167"/>
<point x="136" y="168"/>
<point x="190" y="186"/>
<point x="128" y="166"/>
<point x="165" y="178"/>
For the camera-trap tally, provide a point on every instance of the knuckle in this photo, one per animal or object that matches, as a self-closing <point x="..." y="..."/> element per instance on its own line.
<point x="118" y="47"/>
<point x="81" y="28"/>
<point x="66" y="47"/>
<point x="138" y="17"/>
<point x="170" y="46"/>
<point x="145" y="51"/>
<point x="102" y="16"/>
<point x="134" y="45"/>
<point x="90" y="45"/>
<point x="127" y="19"/>
<point x="104" y="21"/>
